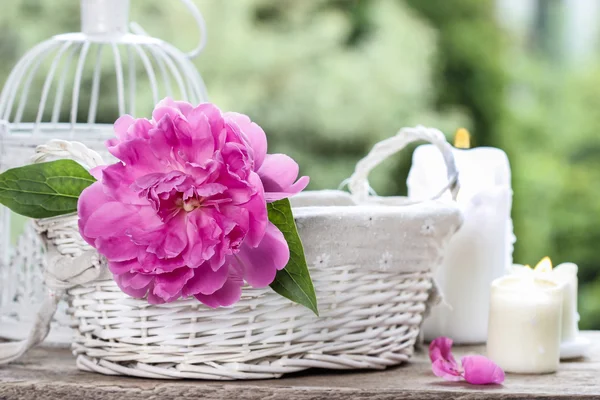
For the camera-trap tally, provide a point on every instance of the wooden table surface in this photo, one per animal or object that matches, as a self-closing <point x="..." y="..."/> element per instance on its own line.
<point x="47" y="373"/>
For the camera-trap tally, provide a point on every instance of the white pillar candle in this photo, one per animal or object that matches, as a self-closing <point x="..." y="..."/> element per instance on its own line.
<point x="525" y="324"/>
<point x="481" y="250"/>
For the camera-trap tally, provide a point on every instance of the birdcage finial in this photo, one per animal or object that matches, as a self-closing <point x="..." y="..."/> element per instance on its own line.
<point x="104" y="17"/>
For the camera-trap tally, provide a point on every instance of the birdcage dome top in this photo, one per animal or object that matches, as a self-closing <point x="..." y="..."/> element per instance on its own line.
<point x="75" y="85"/>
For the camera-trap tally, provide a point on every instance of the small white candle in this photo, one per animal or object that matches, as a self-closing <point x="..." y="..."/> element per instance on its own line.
<point x="525" y="324"/>
<point x="481" y="250"/>
<point x="565" y="274"/>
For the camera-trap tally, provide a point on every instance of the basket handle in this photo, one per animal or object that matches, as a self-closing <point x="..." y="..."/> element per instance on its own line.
<point x="358" y="183"/>
<point x="60" y="149"/>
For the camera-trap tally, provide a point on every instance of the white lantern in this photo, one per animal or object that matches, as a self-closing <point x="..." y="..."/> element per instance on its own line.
<point x="61" y="83"/>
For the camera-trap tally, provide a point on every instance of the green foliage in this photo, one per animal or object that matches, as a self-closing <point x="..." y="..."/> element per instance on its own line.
<point x="292" y="282"/>
<point x="470" y="65"/>
<point x="551" y="137"/>
<point x="44" y="190"/>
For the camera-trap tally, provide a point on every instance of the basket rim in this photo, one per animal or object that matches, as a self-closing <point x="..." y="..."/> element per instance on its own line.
<point x="439" y="208"/>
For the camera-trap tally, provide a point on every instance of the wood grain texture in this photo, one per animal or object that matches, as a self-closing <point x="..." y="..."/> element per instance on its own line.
<point x="48" y="373"/>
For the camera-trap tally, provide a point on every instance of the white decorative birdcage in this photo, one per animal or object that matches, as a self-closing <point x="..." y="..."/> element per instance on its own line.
<point x="56" y="91"/>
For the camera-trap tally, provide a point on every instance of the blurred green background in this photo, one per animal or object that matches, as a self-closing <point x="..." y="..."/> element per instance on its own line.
<point x="329" y="78"/>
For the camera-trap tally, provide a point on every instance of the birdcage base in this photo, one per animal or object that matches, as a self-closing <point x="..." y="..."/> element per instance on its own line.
<point x="22" y="289"/>
<point x="17" y="148"/>
<point x="59" y="336"/>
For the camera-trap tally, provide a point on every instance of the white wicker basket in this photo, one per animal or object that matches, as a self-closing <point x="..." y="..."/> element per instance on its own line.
<point x="371" y="267"/>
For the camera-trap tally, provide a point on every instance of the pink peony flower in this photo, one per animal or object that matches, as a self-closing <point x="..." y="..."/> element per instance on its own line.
<point x="477" y="370"/>
<point x="184" y="212"/>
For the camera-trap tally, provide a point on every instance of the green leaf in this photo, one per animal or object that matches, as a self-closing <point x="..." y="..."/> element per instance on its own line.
<point x="292" y="282"/>
<point x="44" y="190"/>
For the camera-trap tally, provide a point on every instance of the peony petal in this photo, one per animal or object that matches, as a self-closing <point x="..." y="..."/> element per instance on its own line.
<point x="96" y="172"/>
<point x="92" y="198"/>
<point x="140" y="129"/>
<point x="252" y="132"/>
<point x="278" y="172"/>
<point x="296" y="188"/>
<point x="168" y="286"/>
<point x="202" y="143"/>
<point x="480" y="370"/>
<point x="237" y="158"/>
<point x="446" y="370"/>
<point x="150" y="263"/>
<point x="205" y="280"/>
<point x="173" y="109"/>
<point x="172" y="239"/>
<point x="123" y="283"/>
<point x="117" y="180"/>
<point x="110" y="219"/>
<point x="204" y="237"/>
<point x="136" y="281"/>
<point x="127" y="128"/>
<point x="441" y="348"/>
<point x="260" y="264"/>
<point x="215" y="121"/>
<point x="229" y="294"/>
<point x="154" y="299"/>
<point x="122" y="126"/>
<point x="191" y="131"/>
<point x="122" y="267"/>
<point x="137" y="153"/>
<point x="117" y="248"/>
<point x="163" y="140"/>
<point x="257" y="213"/>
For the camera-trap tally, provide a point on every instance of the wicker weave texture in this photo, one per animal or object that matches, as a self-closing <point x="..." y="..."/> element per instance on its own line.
<point x="368" y="320"/>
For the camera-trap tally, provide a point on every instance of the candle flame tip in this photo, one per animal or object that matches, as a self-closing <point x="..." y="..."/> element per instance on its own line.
<point x="462" y="139"/>
<point x="545" y="265"/>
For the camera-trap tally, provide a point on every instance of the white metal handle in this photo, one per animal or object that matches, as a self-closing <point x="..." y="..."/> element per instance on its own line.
<point x="358" y="183"/>
<point x="195" y="12"/>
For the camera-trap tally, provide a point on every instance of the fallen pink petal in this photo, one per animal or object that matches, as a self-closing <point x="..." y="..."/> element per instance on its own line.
<point x="480" y="370"/>
<point x="476" y="369"/>
<point x="447" y="370"/>
<point x="441" y="348"/>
